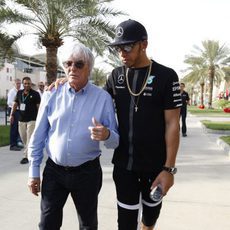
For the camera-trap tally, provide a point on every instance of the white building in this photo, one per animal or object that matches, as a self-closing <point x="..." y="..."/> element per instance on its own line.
<point x="7" y="76"/>
<point x="33" y="67"/>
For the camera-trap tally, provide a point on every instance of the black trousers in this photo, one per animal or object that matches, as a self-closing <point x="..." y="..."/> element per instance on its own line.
<point x="82" y="182"/>
<point x="183" y="114"/>
<point x="14" y="133"/>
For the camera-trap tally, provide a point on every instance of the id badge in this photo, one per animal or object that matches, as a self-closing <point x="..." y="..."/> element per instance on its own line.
<point x="22" y="107"/>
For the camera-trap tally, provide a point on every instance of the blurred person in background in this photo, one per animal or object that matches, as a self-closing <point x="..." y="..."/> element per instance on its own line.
<point x="15" y="140"/>
<point x="27" y="100"/>
<point x="41" y="87"/>
<point x="183" y="111"/>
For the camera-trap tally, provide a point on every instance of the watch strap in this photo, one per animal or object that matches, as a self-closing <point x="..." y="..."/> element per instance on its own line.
<point x="171" y="170"/>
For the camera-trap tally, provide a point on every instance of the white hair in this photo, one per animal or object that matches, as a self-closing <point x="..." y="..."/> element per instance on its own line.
<point x="78" y="51"/>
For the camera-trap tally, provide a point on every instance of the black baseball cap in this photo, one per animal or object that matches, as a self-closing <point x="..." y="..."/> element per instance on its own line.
<point x="129" y="31"/>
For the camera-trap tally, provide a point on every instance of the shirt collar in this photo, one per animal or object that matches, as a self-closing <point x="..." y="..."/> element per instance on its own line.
<point x="81" y="91"/>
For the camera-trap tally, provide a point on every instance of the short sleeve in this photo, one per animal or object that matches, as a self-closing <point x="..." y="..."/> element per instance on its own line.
<point x="172" y="96"/>
<point x="188" y="98"/>
<point x="16" y="99"/>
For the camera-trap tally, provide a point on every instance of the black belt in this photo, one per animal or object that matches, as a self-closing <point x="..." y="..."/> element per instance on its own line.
<point x="92" y="163"/>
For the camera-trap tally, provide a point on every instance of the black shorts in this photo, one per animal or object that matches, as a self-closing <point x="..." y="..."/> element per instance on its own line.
<point x="133" y="190"/>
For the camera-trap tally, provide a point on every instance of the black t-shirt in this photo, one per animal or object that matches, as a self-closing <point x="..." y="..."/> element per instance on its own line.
<point x="142" y="134"/>
<point x="185" y="98"/>
<point x="31" y="100"/>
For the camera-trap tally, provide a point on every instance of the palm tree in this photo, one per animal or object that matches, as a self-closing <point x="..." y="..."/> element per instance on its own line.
<point x="227" y="81"/>
<point x="7" y="47"/>
<point x="2" y="2"/>
<point x="113" y="59"/>
<point x="197" y="73"/>
<point x="87" y="21"/>
<point x="99" y="76"/>
<point x="212" y="57"/>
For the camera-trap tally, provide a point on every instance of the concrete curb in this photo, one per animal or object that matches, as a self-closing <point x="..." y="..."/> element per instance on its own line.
<point x="220" y="142"/>
<point x="224" y="146"/>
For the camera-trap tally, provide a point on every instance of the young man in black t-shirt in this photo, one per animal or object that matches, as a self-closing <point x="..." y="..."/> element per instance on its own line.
<point x="147" y="99"/>
<point x="27" y="100"/>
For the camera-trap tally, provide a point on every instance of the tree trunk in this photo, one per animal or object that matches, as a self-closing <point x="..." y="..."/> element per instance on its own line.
<point x="202" y="94"/>
<point x="51" y="64"/>
<point x="211" y="74"/>
<point x="191" y="96"/>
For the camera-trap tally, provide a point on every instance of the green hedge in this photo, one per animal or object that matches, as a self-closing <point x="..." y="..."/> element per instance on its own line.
<point x="226" y="139"/>
<point x="4" y="135"/>
<point x="3" y="101"/>
<point x="216" y="125"/>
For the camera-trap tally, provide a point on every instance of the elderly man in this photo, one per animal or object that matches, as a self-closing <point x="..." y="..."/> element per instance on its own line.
<point x="41" y="87"/>
<point x="71" y="122"/>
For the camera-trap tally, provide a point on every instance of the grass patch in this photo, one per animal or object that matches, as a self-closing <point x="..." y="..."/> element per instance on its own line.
<point x="4" y="135"/>
<point x="216" y="125"/>
<point x="207" y="112"/>
<point x="226" y="139"/>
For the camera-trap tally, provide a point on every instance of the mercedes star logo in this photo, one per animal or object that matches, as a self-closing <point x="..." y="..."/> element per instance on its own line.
<point x="119" y="31"/>
<point x="121" y="79"/>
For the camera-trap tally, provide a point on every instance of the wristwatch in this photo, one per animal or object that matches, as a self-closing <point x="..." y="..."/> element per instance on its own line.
<point x="171" y="170"/>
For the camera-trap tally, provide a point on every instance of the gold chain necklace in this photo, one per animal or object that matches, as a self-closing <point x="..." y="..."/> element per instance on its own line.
<point x="133" y="95"/>
<point x="143" y="85"/>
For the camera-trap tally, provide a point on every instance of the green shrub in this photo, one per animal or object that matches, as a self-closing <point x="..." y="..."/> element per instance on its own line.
<point x="226" y="139"/>
<point x="222" y="103"/>
<point x="216" y="125"/>
<point x="4" y="135"/>
<point x="3" y="101"/>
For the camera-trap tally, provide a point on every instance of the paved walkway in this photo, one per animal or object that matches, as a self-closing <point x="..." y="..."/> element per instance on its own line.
<point x="199" y="200"/>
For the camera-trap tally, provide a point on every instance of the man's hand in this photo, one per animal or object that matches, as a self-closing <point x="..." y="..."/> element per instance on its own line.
<point x="11" y="119"/>
<point x="59" y="81"/>
<point x="98" y="131"/>
<point x="34" y="185"/>
<point x="165" y="179"/>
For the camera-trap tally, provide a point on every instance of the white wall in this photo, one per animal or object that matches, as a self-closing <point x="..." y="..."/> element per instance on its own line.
<point x="8" y="74"/>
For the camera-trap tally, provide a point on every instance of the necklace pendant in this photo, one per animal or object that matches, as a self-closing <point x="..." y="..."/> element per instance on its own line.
<point x="136" y="108"/>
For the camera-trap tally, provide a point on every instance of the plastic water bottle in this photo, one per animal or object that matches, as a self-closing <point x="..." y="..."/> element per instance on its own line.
<point x="156" y="194"/>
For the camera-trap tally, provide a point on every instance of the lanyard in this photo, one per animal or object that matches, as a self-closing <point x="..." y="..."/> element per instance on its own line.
<point x="24" y="98"/>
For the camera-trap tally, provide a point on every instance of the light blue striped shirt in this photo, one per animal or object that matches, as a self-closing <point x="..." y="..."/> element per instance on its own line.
<point x="62" y="126"/>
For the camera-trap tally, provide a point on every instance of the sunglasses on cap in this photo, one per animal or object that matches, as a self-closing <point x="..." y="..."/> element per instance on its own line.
<point x="125" y="48"/>
<point x="78" y="64"/>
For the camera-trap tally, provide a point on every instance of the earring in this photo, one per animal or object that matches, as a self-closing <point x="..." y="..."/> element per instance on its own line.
<point x="143" y="50"/>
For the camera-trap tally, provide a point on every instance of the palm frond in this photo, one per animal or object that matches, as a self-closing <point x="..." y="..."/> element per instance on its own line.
<point x="87" y="21"/>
